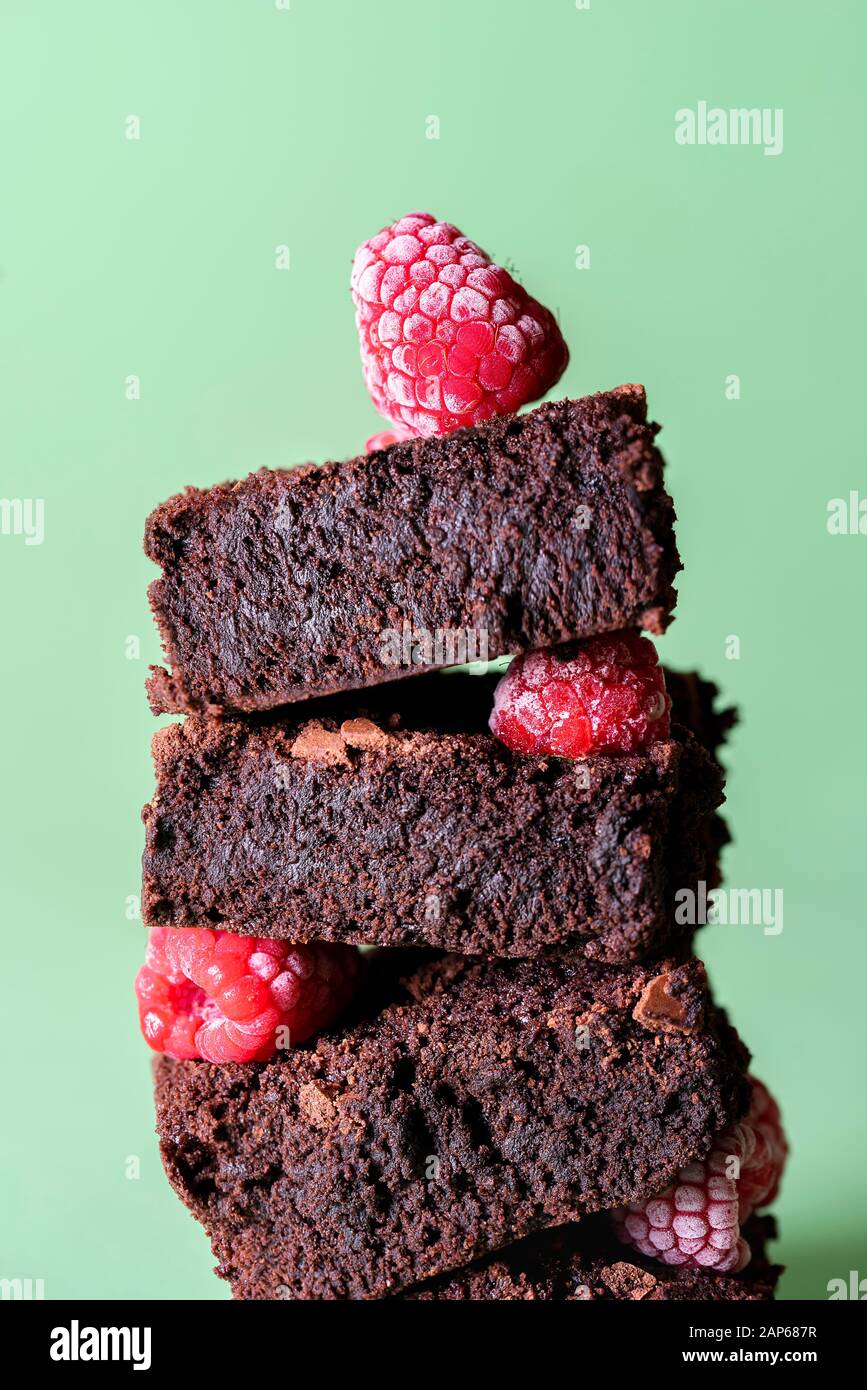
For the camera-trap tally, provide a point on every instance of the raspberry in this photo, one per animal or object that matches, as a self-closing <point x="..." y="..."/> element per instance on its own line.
<point x="696" y="1222"/>
<point x="760" y="1182"/>
<point x="605" y="695"/>
<point x="223" y="997"/>
<point x="447" y="337"/>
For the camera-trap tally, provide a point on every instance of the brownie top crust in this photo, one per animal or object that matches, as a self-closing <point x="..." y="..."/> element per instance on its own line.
<point x="522" y="533"/>
<point x="486" y="1100"/>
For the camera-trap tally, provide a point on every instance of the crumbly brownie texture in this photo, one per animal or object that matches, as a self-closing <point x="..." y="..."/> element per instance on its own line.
<point x="353" y="829"/>
<point x="490" y="1100"/>
<point x="531" y="529"/>
<point x="583" y="1263"/>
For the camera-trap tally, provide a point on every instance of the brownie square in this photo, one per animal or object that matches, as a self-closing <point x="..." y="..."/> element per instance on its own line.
<point x="362" y="824"/>
<point x="524" y="532"/>
<point x="460" y="1109"/>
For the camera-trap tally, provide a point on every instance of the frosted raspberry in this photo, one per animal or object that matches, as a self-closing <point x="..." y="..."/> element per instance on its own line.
<point x="760" y="1182"/>
<point x="223" y="997"/>
<point x="605" y="695"/>
<point x="696" y="1222"/>
<point x="447" y="337"/>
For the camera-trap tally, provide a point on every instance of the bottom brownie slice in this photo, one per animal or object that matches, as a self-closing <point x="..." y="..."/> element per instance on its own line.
<point x="583" y="1262"/>
<point x="462" y="1108"/>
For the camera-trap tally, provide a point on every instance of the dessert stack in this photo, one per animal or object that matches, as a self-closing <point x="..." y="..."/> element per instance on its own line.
<point x="525" y="1089"/>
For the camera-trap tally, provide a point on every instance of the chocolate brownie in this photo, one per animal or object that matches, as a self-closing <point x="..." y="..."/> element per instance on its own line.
<point x="524" y="532"/>
<point x="360" y="828"/>
<point x="583" y="1263"/>
<point x="490" y="1099"/>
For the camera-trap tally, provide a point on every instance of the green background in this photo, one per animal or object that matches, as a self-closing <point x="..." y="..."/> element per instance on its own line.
<point x="306" y="127"/>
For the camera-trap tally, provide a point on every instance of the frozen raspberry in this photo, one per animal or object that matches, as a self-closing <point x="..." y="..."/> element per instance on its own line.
<point x="605" y="695"/>
<point x="696" y="1222"/>
<point x="447" y="337"/>
<point x="228" y="998"/>
<point x="760" y="1182"/>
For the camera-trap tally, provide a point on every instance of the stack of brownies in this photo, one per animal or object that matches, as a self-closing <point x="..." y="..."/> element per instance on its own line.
<point x="509" y="1096"/>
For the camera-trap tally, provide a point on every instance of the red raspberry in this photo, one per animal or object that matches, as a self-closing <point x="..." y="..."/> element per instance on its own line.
<point x="223" y="997"/>
<point x="447" y="337"/>
<point x="696" y="1222"/>
<point x="605" y="695"/>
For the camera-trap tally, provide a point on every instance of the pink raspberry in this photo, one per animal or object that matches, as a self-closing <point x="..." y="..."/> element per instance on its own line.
<point x="229" y="998"/>
<point x="605" y="695"/>
<point x="760" y="1182"/>
<point x="447" y="337"/>
<point x="696" y="1222"/>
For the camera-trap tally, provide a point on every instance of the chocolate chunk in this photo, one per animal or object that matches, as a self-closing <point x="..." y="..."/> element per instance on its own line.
<point x="672" y="1002"/>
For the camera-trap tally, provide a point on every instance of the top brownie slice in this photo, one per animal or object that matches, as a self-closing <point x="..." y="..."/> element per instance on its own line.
<point x="525" y="532"/>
